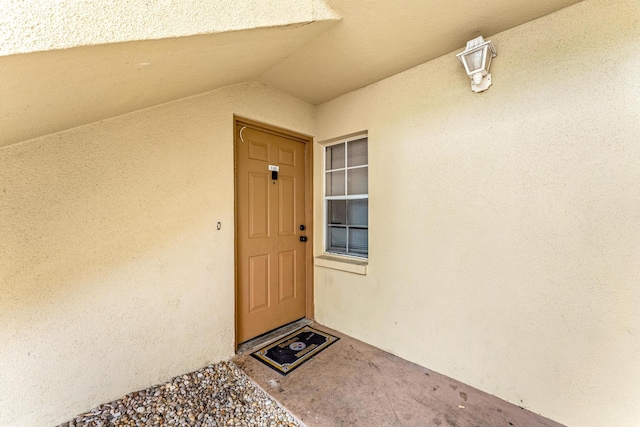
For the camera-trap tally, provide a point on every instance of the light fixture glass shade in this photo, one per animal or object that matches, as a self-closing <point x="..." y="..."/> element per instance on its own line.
<point x="476" y="59"/>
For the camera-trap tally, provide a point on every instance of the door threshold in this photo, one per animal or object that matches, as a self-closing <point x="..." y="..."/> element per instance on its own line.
<point x="269" y="337"/>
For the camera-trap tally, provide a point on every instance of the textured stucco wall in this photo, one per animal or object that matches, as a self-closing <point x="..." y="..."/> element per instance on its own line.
<point x="505" y="226"/>
<point x="40" y="25"/>
<point x="113" y="276"/>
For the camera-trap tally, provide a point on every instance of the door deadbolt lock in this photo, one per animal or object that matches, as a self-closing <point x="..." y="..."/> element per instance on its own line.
<point x="303" y="238"/>
<point x="302" y="227"/>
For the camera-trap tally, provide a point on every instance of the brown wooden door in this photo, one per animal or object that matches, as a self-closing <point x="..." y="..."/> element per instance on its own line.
<point x="271" y="259"/>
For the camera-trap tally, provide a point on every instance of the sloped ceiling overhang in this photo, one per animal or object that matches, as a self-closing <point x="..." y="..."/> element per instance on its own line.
<point x="68" y="63"/>
<point x="379" y="38"/>
<point x="46" y="92"/>
<point x="42" y="25"/>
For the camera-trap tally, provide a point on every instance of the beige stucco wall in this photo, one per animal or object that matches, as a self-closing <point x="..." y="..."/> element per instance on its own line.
<point x="504" y="226"/>
<point x="113" y="276"/>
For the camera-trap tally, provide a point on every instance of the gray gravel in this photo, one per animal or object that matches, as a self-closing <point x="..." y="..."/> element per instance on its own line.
<point x="218" y="395"/>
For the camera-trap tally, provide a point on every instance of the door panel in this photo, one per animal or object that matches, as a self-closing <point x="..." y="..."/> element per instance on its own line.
<point x="258" y="205"/>
<point x="286" y="156"/>
<point x="287" y="275"/>
<point x="287" y="200"/>
<point x="258" y="150"/>
<point x="259" y="282"/>
<point x="271" y="259"/>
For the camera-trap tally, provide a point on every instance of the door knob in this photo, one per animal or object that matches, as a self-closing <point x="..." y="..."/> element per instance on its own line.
<point x="303" y="238"/>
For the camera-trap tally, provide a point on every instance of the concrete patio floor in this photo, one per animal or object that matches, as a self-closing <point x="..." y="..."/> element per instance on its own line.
<point x="354" y="384"/>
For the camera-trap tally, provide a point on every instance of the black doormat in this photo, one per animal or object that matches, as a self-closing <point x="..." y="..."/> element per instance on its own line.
<point x="289" y="352"/>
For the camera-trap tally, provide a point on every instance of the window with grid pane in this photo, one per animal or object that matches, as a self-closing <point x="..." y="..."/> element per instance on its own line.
<point x="347" y="198"/>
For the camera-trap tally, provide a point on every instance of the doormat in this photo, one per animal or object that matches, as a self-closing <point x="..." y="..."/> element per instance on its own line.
<point x="289" y="352"/>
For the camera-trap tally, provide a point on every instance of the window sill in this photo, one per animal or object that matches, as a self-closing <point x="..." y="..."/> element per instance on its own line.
<point x="350" y="265"/>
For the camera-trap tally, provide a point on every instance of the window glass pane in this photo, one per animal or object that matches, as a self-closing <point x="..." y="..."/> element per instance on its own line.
<point x="335" y="183"/>
<point x="335" y="157"/>
<point x="337" y="239"/>
<point x="346" y="174"/>
<point x="357" y="152"/>
<point x="358" y="212"/>
<point x="357" y="181"/>
<point x="337" y="211"/>
<point x="358" y="240"/>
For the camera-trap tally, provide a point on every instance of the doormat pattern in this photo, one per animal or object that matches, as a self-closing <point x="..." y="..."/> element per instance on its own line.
<point x="289" y="352"/>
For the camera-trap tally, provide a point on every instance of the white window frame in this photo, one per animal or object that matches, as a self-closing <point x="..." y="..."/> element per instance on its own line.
<point x="326" y="199"/>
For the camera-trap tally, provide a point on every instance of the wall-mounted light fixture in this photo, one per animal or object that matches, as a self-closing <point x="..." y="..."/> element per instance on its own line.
<point x="476" y="59"/>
